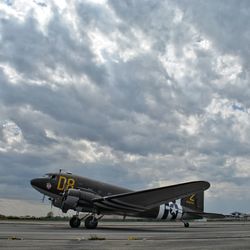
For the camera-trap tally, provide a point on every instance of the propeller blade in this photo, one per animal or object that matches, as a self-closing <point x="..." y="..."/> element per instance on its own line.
<point x="51" y="202"/>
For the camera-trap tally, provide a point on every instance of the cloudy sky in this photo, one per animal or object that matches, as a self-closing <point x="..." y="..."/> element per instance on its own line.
<point x="136" y="93"/>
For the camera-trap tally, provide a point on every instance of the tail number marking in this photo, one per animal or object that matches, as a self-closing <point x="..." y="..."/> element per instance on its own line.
<point x="191" y="199"/>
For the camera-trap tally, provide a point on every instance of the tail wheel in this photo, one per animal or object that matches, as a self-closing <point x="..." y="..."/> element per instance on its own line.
<point x="91" y="222"/>
<point x="186" y="224"/>
<point x="75" y="222"/>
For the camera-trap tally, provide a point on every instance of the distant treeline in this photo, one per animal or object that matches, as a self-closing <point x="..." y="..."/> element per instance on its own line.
<point x="27" y="217"/>
<point x="51" y="217"/>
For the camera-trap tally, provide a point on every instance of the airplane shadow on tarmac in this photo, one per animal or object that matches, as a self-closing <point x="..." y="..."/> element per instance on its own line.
<point x="128" y="229"/>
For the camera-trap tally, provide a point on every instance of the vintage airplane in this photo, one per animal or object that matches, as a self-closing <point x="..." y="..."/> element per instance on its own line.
<point x="67" y="191"/>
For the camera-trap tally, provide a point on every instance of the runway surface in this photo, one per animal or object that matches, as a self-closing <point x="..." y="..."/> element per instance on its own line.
<point x="125" y="235"/>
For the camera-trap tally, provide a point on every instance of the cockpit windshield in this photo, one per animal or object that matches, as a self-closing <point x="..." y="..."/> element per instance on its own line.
<point x="50" y="176"/>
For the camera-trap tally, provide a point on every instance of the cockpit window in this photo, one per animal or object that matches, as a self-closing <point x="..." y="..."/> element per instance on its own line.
<point x="50" y="176"/>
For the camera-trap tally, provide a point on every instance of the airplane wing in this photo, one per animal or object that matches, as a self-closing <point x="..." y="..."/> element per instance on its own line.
<point x="146" y="199"/>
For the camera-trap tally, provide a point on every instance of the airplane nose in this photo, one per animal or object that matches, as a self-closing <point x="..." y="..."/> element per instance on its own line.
<point x="33" y="182"/>
<point x="40" y="183"/>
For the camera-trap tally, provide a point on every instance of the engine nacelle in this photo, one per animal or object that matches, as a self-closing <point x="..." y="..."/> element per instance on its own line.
<point x="170" y="211"/>
<point x="57" y="202"/>
<point x="73" y="197"/>
<point x="83" y="195"/>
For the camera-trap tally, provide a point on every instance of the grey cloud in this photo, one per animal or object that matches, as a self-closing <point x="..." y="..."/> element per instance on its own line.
<point x="30" y="51"/>
<point x="154" y="19"/>
<point x="215" y="20"/>
<point x="19" y="41"/>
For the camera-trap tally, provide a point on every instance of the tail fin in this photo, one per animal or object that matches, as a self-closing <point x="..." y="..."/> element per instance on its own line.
<point x="194" y="201"/>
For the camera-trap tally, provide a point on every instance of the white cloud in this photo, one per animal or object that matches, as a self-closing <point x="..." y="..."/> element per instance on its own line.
<point x="190" y="125"/>
<point x="229" y="68"/>
<point x="12" y="137"/>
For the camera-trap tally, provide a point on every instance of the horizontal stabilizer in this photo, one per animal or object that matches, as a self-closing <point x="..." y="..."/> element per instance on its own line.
<point x="207" y="215"/>
<point x="147" y="199"/>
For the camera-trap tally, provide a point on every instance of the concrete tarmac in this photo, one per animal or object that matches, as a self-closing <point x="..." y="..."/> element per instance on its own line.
<point x="125" y="235"/>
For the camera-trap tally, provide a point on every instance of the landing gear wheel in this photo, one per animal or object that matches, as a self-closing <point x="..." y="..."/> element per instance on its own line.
<point x="75" y="222"/>
<point x="186" y="224"/>
<point x="91" y="222"/>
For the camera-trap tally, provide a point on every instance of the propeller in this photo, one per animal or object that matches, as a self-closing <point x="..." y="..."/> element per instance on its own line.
<point x="43" y="198"/>
<point x="51" y="203"/>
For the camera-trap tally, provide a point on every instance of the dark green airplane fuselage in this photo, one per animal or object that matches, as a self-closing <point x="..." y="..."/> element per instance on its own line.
<point x="56" y="184"/>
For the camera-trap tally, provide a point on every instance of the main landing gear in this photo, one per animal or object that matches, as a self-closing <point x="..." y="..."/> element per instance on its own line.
<point x="90" y="221"/>
<point x="75" y="222"/>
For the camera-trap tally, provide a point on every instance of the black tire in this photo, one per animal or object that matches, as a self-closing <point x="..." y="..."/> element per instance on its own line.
<point x="91" y="222"/>
<point x="75" y="222"/>
<point x="186" y="224"/>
